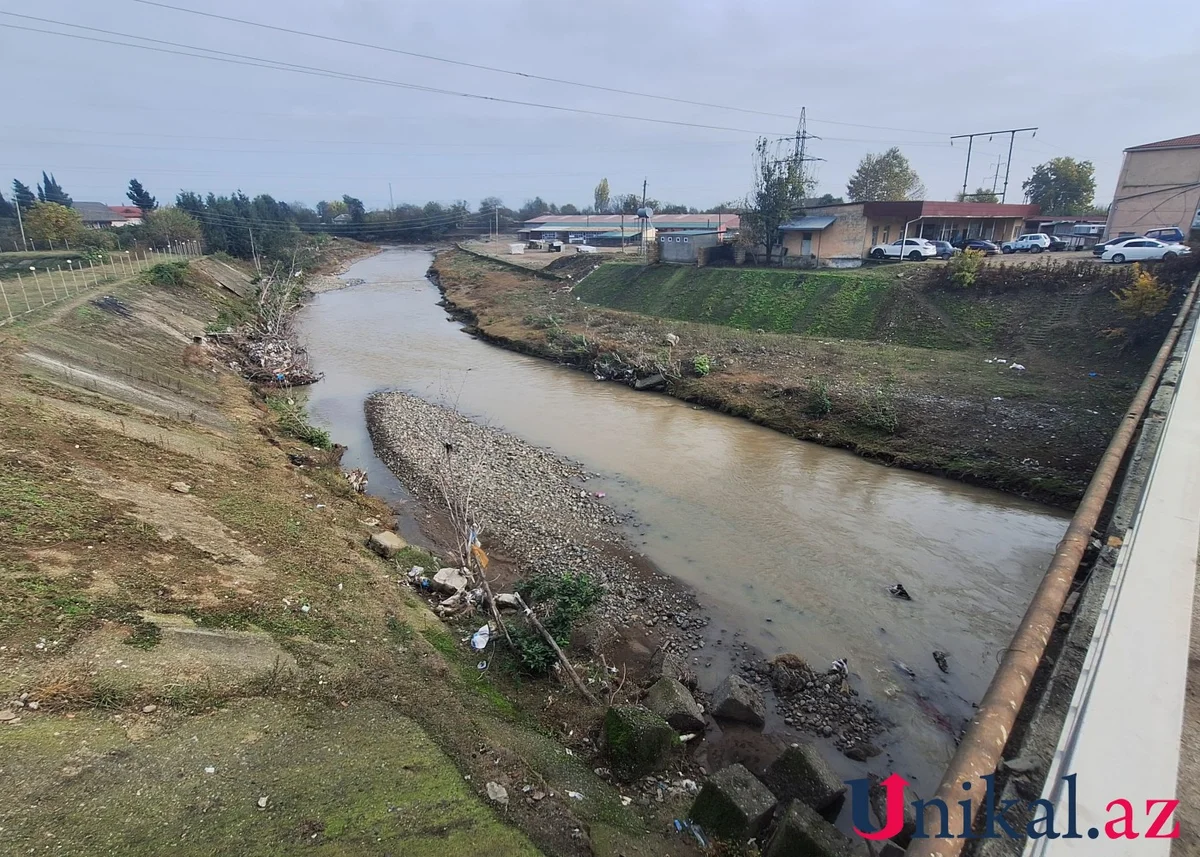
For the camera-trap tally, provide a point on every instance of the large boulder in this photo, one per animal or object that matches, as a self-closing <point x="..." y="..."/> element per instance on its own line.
<point x="636" y="740"/>
<point x="801" y="832"/>
<point x="671" y="701"/>
<point x="664" y="664"/>
<point x="733" y="805"/>
<point x="800" y="773"/>
<point x="737" y="699"/>
<point x="386" y="543"/>
<point x="450" y="581"/>
<point x="877" y="796"/>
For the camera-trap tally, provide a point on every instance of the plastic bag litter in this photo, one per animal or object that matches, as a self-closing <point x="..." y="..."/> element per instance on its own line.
<point x="481" y="638"/>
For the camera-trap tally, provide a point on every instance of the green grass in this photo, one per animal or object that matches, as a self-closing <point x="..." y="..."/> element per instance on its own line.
<point x="293" y="420"/>
<point x="845" y="304"/>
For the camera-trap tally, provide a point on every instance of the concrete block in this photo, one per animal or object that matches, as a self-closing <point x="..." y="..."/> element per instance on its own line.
<point x="733" y="805"/>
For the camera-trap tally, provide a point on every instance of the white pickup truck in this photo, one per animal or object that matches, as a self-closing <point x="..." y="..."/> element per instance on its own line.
<point x="913" y="249"/>
<point x="1034" y="242"/>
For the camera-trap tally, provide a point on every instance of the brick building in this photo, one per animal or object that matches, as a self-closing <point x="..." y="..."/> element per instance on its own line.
<point x="1159" y="186"/>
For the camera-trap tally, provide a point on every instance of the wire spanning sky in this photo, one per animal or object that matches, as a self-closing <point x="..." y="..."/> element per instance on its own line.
<point x="309" y="100"/>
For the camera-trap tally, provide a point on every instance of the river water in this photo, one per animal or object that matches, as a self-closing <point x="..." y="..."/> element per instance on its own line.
<point x="791" y="546"/>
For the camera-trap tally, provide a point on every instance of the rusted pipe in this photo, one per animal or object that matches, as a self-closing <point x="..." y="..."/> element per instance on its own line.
<point x="980" y="750"/>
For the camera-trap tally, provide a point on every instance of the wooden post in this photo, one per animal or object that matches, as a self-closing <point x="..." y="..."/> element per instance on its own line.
<point x="562" y="659"/>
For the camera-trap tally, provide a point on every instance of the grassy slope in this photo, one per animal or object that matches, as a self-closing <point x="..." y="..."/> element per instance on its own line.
<point x="888" y="368"/>
<point x="101" y="415"/>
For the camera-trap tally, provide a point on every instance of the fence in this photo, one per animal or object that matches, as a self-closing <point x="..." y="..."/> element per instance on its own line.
<point x="44" y="286"/>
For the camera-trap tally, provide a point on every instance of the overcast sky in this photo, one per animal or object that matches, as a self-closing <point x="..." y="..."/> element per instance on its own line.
<point x="1092" y="76"/>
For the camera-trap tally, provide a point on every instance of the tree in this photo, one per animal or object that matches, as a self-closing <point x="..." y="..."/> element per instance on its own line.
<point x="51" y="221"/>
<point x="884" y="177"/>
<point x="1062" y="186"/>
<point x="489" y="204"/>
<point x="779" y="186"/>
<point x="7" y="210"/>
<point x="568" y="209"/>
<point x="139" y="197"/>
<point x="600" y="197"/>
<point x="981" y="194"/>
<point x="532" y="208"/>
<point x="354" y="208"/>
<point x="171" y="224"/>
<point x="627" y="204"/>
<point x="329" y="209"/>
<point x="827" y="199"/>
<point x="51" y="191"/>
<point x="22" y="195"/>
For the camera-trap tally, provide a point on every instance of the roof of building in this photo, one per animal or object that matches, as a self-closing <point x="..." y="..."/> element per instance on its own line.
<point x="96" y="212"/>
<point x="617" y="233"/>
<point x="126" y="211"/>
<point x="1191" y="141"/>
<point x="915" y="209"/>
<point x="813" y="223"/>
<point x="586" y="222"/>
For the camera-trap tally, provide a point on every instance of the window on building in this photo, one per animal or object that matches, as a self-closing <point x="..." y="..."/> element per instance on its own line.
<point x="685" y="240"/>
<point x="886" y="233"/>
<point x="875" y="235"/>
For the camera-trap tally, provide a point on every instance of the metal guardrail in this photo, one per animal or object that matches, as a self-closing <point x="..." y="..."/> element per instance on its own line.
<point x="44" y="286"/>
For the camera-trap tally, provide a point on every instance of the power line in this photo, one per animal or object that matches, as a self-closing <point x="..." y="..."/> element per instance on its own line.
<point x="259" y="62"/>
<point x="514" y="73"/>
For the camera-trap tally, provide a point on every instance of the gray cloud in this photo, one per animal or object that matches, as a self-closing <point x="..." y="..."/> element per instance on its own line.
<point x="1093" y="80"/>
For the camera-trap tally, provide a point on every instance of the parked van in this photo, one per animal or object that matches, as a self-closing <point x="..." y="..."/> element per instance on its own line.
<point x="1167" y="234"/>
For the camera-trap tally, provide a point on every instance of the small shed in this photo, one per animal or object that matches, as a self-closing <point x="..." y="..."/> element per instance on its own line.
<point x="516" y="249"/>
<point x="684" y="248"/>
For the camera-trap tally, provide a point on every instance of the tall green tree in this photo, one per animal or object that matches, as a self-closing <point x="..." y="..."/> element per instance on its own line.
<point x="51" y="221"/>
<point x="884" y="177"/>
<point x="600" y="197"/>
<point x="51" y="191"/>
<point x="1062" y="186"/>
<point x="22" y="195"/>
<point x="354" y="208"/>
<point x="568" y="209"/>
<point x="489" y="204"/>
<point x="171" y="224"/>
<point x="8" y="211"/>
<point x="140" y="197"/>
<point x="982" y="194"/>
<point x="779" y="186"/>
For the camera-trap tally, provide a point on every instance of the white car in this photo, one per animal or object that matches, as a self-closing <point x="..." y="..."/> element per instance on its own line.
<point x="1034" y="242"/>
<point x="913" y="249"/>
<point x="1144" y="249"/>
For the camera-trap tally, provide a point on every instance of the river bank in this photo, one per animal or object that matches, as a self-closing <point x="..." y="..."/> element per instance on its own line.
<point x="1035" y="432"/>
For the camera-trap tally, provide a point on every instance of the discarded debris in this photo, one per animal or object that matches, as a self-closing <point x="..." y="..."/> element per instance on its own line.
<point x="940" y="658"/>
<point x="110" y="303"/>
<point x="899" y="591"/>
<point x="358" y="480"/>
<point x="497" y="793"/>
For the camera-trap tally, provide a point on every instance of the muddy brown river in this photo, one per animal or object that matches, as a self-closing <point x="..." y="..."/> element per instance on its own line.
<point x="790" y="546"/>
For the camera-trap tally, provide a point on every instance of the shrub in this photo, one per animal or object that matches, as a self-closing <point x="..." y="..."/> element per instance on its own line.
<point x="1144" y="298"/>
<point x="878" y="413"/>
<point x="702" y="363"/>
<point x="964" y="268"/>
<point x="293" y="420"/>
<point x="561" y="601"/>
<point x="167" y="274"/>
<point x="820" y="404"/>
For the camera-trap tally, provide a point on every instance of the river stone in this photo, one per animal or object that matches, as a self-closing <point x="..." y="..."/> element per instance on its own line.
<point x="636" y="740"/>
<point x="736" y="699"/>
<point x="800" y="773"/>
<point x="801" y="832"/>
<point x="450" y="581"/>
<point x="664" y="664"/>
<point x="671" y="701"/>
<point x="878" y="799"/>
<point x="387" y="544"/>
<point x="507" y="601"/>
<point x="733" y="805"/>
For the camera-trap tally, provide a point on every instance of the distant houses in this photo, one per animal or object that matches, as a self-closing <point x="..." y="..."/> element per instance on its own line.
<point x="97" y="215"/>
<point x="616" y="230"/>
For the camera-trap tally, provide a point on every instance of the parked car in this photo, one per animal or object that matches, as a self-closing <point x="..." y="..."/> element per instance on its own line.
<point x="945" y="249"/>
<point x="1057" y="244"/>
<point x="1144" y="250"/>
<point x="1100" y="247"/>
<point x="1167" y="234"/>
<point x="913" y="249"/>
<point x="1033" y="242"/>
<point x="979" y="244"/>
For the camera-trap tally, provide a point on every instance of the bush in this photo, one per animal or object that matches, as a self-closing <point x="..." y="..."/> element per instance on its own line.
<point x="294" y="421"/>
<point x="878" y="413"/>
<point x="1144" y="298"/>
<point x="820" y="404"/>
<point x="964" y="268"/>
<point x="167" y="274"/>
<point x="702" y="363"/>
<point x="561" y="601"/>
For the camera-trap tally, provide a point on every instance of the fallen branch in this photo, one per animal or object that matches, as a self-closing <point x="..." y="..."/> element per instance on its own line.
<point x="562" y="659"/>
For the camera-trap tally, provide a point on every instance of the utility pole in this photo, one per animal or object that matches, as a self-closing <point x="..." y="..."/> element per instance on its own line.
<point x="645" y="221"/>
<point x="1011" y="132"/>
<point x="996" y="176"/>
<point x="21" y="224"/>
<point x="391" y="199"/>
<point x="496" y="212"/>
<point x="254" y="251"/>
